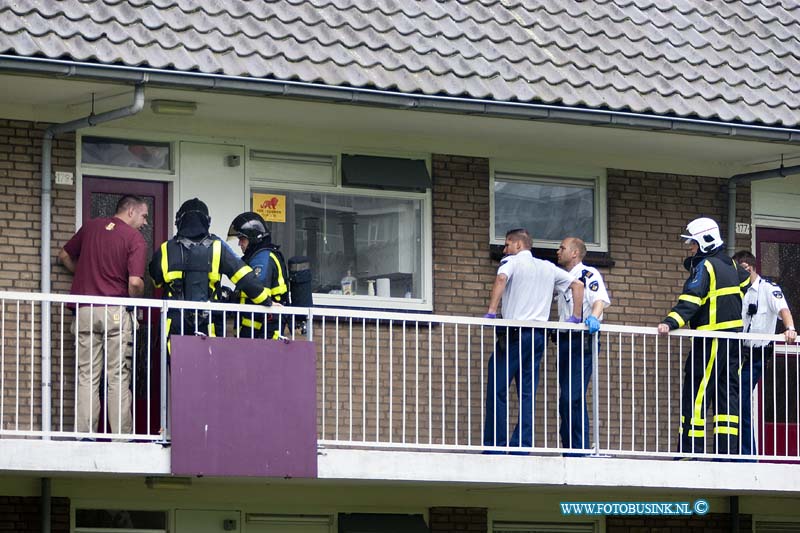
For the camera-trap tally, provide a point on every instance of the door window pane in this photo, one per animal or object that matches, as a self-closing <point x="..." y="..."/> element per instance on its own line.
<point x="549" y="210"/>
<point x="125" y="153"/>
<point x="377" y="240"/>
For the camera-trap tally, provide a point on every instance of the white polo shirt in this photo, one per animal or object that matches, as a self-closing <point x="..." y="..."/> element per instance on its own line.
<point x="595" y="289"/>
<point x="530" y="286"/>
<point x="769" y="298"/>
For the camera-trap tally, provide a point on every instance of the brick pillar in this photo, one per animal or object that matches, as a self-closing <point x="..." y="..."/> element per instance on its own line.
<point x="458" y="519"/>
<point x="20" y="205"/>
<point x="646" y="214"/>
<point x="462" y="270"/>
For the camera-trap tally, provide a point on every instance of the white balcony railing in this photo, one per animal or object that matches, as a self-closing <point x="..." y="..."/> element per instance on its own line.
<point x="410" y="381"/>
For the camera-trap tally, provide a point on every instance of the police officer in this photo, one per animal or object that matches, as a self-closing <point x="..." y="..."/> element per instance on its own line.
<point x="763" y="304"/>
<point x="190" y="267"/>
<point x="575" y="347"/>
<point x="711" y="301"/>
<point x="267" y="263"/>
<point x="525" y="285"/>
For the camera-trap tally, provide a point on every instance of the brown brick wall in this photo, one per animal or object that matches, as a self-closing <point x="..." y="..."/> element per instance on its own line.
<point x="711" y="523"/>
<point x="20" y="240"/>
<point x="20" y="207"/>
<point x="23" y="514"/>
<point x="457" y="519"/>
<point x="462" y="269"/>
<point x="646" y="212"/>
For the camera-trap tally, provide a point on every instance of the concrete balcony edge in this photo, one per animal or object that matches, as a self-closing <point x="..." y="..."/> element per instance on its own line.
<point x="68" y="457"/>
<point x="586" y="472"/>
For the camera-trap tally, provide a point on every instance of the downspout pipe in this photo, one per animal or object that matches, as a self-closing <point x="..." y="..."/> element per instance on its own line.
<point x="45" y="505"/>
<point x="780" y="172"/>
<point x="46" y="230"/>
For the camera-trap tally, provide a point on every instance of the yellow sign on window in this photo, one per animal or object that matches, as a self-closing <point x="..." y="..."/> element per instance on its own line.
<point x="270" y="206"/>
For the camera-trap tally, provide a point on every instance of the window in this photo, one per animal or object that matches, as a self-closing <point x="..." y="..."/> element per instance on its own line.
<point x="119" y="520"/>
<point x="368" y="242"/>
<point x="125" y="153"/>
<point x="551" y="208"/>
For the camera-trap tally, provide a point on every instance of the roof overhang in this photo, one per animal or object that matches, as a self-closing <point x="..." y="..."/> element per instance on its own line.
<point x="379" y="98"/>
<point x="347" y="120"/>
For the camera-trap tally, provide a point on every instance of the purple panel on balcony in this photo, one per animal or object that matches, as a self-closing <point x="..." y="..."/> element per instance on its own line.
<point x="243" y="407"/>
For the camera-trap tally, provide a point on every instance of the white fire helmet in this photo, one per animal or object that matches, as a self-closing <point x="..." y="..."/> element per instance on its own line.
<point x="705" y="232"/>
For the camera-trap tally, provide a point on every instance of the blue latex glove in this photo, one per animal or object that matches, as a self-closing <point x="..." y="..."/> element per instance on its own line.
<point x="593" y="324"/>
<point x="573" y="320"/>
<point x="490" y="315"/>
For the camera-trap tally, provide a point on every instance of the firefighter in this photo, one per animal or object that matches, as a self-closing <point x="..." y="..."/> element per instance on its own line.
<point x="267" y="263"/>
<point x="711" y="301"/>
<point x="190" y="267"/>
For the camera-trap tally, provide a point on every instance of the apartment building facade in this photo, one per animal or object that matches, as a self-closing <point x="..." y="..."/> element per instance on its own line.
<point x="396" y="145"/>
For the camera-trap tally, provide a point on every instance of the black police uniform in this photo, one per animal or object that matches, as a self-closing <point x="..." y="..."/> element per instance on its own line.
<point x="269" y="267"/>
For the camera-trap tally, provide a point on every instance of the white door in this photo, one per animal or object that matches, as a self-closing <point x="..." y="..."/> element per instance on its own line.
<point x="201" y="521"/>
<point x="212" y="173"/>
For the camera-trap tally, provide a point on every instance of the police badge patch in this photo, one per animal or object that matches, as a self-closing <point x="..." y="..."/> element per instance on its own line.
<point x="777" y="294"/>
<point x="594" y="286"/>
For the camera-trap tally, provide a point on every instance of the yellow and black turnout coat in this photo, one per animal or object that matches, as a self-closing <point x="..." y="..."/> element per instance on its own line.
<point x="191" y="270"/>
<point x="711" y="301"/>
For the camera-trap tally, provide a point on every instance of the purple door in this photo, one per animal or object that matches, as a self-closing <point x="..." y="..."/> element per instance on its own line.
<point x="778" y="257"/>
<point x="100" y="196"/>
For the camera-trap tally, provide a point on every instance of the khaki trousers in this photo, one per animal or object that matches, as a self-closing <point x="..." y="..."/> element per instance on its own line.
<point x="105" y="339"/>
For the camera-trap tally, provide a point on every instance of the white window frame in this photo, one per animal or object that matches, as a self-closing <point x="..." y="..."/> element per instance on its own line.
<point x="170" y="176"/>
<point x="255" y="183"/>
<point x="593" y="177"/>
<point x="80" y="506"/>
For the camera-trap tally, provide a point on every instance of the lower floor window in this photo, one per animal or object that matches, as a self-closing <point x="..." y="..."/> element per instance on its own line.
<point x="119" y="519"/>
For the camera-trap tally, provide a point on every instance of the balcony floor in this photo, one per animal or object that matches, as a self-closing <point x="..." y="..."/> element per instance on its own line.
<point x="395" y="466"/>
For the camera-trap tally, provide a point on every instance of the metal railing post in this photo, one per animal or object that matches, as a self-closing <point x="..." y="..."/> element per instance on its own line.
<point x="164" y="370"/>
<point x="596" y="392"/>
<point x="310" y="325"/>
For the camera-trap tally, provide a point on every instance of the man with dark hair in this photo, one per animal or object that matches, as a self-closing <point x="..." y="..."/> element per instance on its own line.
<point x="575" y="347"/>
<point x="525" y="285"/>
<point x="107" y="256"/>
<point x="763" y="304"/>
<point x="711" y="301"/>
<point x="190" y="267"/>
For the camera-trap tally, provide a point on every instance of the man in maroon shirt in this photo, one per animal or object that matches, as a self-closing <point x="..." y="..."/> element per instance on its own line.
<point x="107" y="256"/>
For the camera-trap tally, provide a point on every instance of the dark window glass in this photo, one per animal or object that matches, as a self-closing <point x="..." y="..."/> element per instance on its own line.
<point x="378" y="241"/>
<point x="548" y="210"/>
<point x="120" y="519"/>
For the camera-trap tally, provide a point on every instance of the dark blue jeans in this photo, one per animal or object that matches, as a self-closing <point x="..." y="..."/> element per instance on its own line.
<point x="574" y="372"/>
<point x="750" y="376"/>
<point x="516" y="357"/>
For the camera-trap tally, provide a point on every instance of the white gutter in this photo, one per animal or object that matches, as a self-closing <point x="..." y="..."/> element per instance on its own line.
<point x="391" y="99"/>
